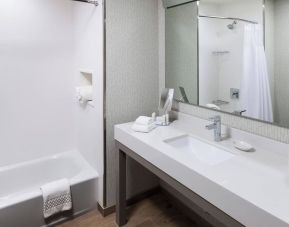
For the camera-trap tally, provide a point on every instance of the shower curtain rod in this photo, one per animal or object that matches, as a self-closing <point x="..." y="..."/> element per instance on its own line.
<point x="230" y="18"/>
<point x="88" y="1"/>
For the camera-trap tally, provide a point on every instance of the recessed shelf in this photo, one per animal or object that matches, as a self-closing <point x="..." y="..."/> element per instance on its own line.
<point x="86" y="71"/>
<point x="86" y="77"/>
<point x="85" y="82"/>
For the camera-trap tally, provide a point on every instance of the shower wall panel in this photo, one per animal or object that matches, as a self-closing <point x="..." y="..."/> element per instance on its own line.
<point x="36" y="82"/>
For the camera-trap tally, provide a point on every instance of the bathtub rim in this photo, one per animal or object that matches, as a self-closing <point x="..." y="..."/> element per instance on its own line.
<point x="86" y="173"/>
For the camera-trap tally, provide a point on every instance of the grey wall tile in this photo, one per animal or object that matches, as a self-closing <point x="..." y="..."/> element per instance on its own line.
<point x="132" y="78"/>
<point x="249" y="125"/>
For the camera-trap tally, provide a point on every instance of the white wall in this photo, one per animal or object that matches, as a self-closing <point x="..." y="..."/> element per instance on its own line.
<point x="36" y="79"/>
<point x="88" y="55"/>
<point x="43" y="44"/>
<point x="208" y="63"/>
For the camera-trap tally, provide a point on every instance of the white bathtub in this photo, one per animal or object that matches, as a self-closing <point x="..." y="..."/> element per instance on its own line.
<point x="20" y="194"/>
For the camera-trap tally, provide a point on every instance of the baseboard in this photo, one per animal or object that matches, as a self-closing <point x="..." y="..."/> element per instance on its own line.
<point x="70" y="217"/>
<point x="135" y="199"/>
<point x="105" y="211"/>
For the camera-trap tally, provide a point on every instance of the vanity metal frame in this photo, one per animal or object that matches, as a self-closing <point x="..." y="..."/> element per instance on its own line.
<point x="213" y="214"/>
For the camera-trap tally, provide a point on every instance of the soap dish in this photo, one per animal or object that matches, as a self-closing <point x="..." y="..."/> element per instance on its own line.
<point x="243" y="146"/>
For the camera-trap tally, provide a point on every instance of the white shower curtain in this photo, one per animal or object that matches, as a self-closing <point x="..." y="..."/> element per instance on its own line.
<point x="255" y="95"/>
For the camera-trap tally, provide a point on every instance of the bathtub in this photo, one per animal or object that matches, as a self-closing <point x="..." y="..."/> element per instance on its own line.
<point x="20" y="195"/>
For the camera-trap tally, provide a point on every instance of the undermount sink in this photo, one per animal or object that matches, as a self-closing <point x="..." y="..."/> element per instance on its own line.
<point x="202" y="151"/>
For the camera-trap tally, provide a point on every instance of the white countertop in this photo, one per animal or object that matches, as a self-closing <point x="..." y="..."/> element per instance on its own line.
<point x="253" y="188"/>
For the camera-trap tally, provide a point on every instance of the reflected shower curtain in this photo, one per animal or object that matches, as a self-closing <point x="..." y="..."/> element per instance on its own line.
<point x="255" y="95"/>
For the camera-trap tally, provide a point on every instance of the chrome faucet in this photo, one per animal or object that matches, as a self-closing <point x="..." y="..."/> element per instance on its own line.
<point x="216" y="126"/>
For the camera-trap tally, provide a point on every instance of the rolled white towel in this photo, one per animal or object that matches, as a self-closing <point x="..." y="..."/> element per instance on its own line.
<point x="143" y="120"/>
<point x="56" y="197"/>
<point x="143" y="128"/>
<point x="84" y="93"/>
<point x="213" y="106"/>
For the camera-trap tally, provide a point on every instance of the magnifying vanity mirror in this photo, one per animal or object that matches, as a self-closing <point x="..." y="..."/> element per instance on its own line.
<point x="166" y="100"/>
<point x="230" y="55"/>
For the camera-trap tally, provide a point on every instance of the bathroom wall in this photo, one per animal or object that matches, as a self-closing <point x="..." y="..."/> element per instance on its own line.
<point x="132" y="79"/>
<point x="43" y="45"/>
<point x="162" y="45"/>
<point x="88" y="56"/>
<point x="36" y="79"/>
<point x="208" y="43"/>
<point x="249" y="125"/>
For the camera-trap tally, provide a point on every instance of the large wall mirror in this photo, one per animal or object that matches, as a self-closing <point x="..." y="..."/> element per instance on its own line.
<point x="230" y="55"/>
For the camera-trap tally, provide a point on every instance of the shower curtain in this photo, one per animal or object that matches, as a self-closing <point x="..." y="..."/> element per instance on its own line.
<point x="255" y="95"/>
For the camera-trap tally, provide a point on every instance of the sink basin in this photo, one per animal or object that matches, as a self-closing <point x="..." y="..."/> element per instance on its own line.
<point x="202" y="151"/>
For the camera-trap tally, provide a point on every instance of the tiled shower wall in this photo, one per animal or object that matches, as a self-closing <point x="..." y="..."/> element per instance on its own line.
<point x="249" y="125"/>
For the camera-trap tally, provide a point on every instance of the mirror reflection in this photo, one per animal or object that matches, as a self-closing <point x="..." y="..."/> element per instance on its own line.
<point x="182" y="50"/>
<point x="230" y="55"/>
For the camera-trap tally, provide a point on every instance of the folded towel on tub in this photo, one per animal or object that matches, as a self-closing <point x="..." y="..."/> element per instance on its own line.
<point x="56" y="197"/>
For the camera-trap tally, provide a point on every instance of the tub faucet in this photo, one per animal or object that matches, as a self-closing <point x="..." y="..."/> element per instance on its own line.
<point x="216" y="126"/>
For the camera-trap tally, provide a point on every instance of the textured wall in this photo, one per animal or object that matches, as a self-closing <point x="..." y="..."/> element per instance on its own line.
<point x="256" y="127"/>
<point x="132" y="77"/>
<point x="162" y="46"/>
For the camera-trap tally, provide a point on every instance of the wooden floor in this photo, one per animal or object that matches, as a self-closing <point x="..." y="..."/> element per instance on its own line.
<point x="156" y="211"/>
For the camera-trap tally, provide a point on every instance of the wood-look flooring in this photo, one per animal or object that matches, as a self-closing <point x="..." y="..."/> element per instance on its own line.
<point x="156" y="211"/>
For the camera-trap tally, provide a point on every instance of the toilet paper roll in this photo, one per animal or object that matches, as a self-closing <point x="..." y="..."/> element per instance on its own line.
<point x="84" y="94"/>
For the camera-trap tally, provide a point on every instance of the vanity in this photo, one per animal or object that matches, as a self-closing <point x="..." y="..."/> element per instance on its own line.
<point x="233" y="187"/>
<point x="227" y="58"/>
